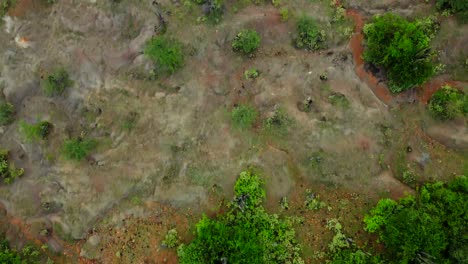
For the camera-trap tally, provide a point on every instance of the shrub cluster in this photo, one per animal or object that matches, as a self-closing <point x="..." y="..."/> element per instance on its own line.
<point x="448" y="103"/>
<point x="245" y="234"/>
<point x="166" y="53"/>
<point x="309" y="36"/>
<point x="57" y="82"/>
<point x="427" y="228"/>
<point x="246" y="41"/>
<point x="8" y="171"/>
<point x="402" y="48"/>
<point x="5" y="5"/>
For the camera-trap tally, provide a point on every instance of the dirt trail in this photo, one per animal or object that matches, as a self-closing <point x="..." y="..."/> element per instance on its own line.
<point x="424" y="92"/>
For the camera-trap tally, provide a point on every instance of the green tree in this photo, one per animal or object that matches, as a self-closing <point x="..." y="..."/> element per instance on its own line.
<point x="166" y="53"/>
<point x="245" y="234"/>
<point x="431" y="226"/>
<point x="402" y="48"/>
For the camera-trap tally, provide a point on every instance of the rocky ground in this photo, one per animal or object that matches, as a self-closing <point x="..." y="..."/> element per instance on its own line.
<point x="182" y="155"/>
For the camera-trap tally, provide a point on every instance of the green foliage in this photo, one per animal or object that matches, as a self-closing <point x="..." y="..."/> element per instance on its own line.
<point x="172" y="239"/>
<point x="243" y="116"/>
<point x="5" y="5"/>
<point x="56" y="83"/>
<point x="448" y="103"/>
<point x="166" y="53"/>
<point x="459" y="7"/>
<point x="28" y="255"/>
<point x="246" y="41"/>
<point x="284" y="13"/>
<point x="250" y="186"/>
<point x="78" y="148"/>
<point x="342" y="250"/>
<point x="428" y="227"/>
<point x="313" y="201"/>
<point x="8" y="171"/>
<point x="251" y="74"/>
<point x="245" y="234"/>
<point x="35" y="132"/>
<point x="309" y="36"/>
<point x="6" y="113"/>
<point x="402" y="48"/>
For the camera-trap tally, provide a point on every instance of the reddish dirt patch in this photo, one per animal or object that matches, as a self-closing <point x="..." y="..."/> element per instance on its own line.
<point x="22" y="7"/>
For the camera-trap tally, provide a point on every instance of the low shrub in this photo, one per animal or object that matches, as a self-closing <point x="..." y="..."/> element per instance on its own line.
<point x="166" y="53"/>
<point x="172" y="239"/>
<point x="6" y="114"/>
<point x="251" y="74"/>
<point x="448" y="103"/>
<point x="243" y="116"/>
<point x="401" y="47"/>
<point x="284" y="13"/>
<point x="8" y="171"/>
<point x="35" y="132"/>
<point x="78" y="148"/>
<point x="56" y="83"/>
<point x="309" y="36"/>
<point x="245" y="234"/>
<point x="246" y="41"/>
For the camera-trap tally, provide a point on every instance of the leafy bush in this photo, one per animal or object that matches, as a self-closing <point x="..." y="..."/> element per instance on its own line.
<point x="56" y="83"/>
<point x="5" y="5"/>
<point x="429" y="227"/>
<point x="284" y="14"/>
<point x="78" y="148"/>
<point x="246" y="41"/>
<point x="402" y="48"/>
<point x="251" y="74"/>
<point x="28" y="255"/>
<point x="8" y="171"/>
<point x="6" y="113"/>
<point x="455" y="6"/>
<point x="448" y="103"/>
<point x="172" y="239"/>
<point x="245" y="234"/>
<point x="166" y="53"/>
<point x="243" y="116"/>
<point x="36" y="131"/>
<point x="313" y="201"/>
<point x="309" y="36"/>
